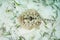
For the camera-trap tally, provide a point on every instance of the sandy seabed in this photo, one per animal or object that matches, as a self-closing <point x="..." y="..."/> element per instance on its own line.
<point x="10" y="28"/>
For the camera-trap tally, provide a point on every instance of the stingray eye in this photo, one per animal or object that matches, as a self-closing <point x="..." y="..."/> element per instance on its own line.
<point x="29" y="19"/>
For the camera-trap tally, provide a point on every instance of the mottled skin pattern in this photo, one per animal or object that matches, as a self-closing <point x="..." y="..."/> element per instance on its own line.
<point x="29" y="19"/>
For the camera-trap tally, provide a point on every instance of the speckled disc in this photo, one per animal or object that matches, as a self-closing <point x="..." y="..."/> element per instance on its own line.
<point x="29" y="19"/>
